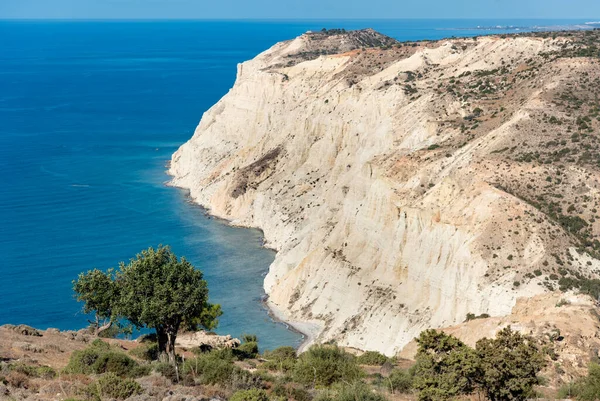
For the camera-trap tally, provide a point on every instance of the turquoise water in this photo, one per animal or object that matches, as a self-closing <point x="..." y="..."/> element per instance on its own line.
<point x="90" y="113"/>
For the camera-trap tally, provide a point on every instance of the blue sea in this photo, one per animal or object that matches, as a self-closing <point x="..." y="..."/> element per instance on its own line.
<point x="90" y="113"/>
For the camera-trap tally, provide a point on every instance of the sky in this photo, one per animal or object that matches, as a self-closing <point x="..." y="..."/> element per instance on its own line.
<point x="297" y="9"/>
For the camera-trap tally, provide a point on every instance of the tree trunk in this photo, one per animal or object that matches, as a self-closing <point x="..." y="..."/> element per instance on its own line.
<point x="171" y="345"/>
<point x="99" y="329"/>
<point x="161" y="337"/>
<point x="166" y="335"/>
<point x="104" y="327"/>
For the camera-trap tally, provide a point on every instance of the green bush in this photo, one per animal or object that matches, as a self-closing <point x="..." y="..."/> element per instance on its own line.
<point x="372" y="358"/>
<point x="281" y="359"/>
<point x="247" y="350"/>
<point x="146" y="352"/>
<point x="249" y="338"/>
<point x="209" y="369"/>
<point x="298" y="394"/>
<point x="357" y="391"/>
<point x="99" y="358"/>
<point x="100" y="345"/>
<point x="167" y="370"/>
<point x="323" y="365"/>
<point x="113" y="386"/>
<point x="217" y="368"/>
<point x="250" y="395"/>
<point x="400" y="381"/>
<point x="114" y="362"/>
<point x="44" y="372"/>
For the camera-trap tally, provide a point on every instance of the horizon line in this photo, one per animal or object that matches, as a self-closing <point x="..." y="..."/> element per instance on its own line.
<point x="284" y="19"/>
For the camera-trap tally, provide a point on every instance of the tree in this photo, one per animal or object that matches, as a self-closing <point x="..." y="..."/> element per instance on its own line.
<point x="155" y="290"/>
<point x="98" y="291"/>
<point x="446" y="367"/>
<point x="510" y="364"/>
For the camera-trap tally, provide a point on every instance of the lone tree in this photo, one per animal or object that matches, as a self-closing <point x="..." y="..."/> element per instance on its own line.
<point x="155" y="290"/>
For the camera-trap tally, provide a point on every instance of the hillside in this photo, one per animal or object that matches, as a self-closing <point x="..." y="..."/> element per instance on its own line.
<point x="408" y="185"/>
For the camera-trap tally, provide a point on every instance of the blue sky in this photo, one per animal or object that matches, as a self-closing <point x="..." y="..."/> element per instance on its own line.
<point x="257" y="9"/>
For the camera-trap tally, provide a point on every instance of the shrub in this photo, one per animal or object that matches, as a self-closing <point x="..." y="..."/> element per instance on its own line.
<point x="45" y="372"/>
<point x="99" y="358"/>
<point x="247" y="350"/>
<point x="400" y="381"/>
<point x="250" y="395"/>
<point x="372" y="358"/>
<point x="323" y="365"/>
<point x="167" y="370"/>
<point x="249" y="338"/>
<point x="280" y="359"/>
<point x="299" y="394"/>
<point x="358" y="391"/>
<point x="209" y="369"/>
<point x="111" y="385"/>
<point x="146" y="352"/>
<point x="243" y="380"/>
<point x="114" y="362"/>
<point x="472" y="316"/>
<point x="217" y="368"/>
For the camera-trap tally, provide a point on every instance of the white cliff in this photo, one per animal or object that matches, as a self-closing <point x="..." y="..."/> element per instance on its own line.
<point x="390" y="198"/>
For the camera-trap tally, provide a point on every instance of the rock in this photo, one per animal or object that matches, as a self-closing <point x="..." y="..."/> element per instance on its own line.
<point x="53" y="331"/>
<point x="202" y="339"/>
<point x="26" y="330"/>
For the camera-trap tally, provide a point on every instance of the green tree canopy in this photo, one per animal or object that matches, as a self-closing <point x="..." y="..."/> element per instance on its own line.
<point x="446" y="367"/>
<point x="155" y="290"/>
<point x="510" y="364"/>
<point x="98" y="291"/>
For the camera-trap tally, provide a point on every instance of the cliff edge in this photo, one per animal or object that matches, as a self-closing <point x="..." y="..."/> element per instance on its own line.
<point x="406" y="185"/>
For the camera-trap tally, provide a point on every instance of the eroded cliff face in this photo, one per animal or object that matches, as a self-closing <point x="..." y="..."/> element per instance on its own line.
<point x="405" y="185"/>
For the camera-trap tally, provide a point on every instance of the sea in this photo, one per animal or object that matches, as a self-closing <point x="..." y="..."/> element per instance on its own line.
<point x="90" y="113"/>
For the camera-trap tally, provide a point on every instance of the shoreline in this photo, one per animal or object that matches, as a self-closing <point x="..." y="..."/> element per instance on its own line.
<point x="309" y="331"/>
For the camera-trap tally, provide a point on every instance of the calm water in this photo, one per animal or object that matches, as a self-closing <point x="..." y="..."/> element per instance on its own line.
<point x="90" y="113"/>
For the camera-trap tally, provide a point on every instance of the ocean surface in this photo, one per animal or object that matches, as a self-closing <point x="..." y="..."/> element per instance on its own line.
<point x="90" y="113"/>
